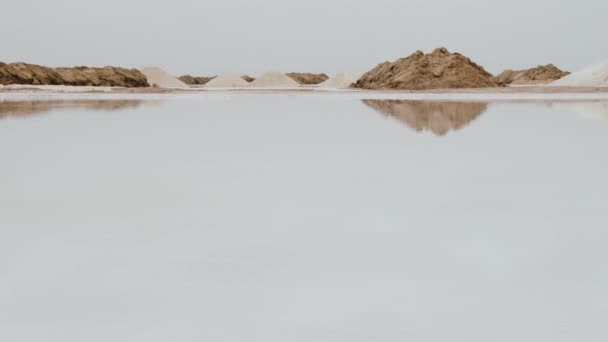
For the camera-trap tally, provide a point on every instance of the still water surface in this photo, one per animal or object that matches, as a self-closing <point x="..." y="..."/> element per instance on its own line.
<point x="303" y="218"/>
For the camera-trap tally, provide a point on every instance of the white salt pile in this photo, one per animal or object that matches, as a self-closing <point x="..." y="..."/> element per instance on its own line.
<point x="158" y="77"/>
<point x="274" y="80"/>
<point x="341" y="80"/>
<point x="227" y="81"/>
<point x="595" y="75"/>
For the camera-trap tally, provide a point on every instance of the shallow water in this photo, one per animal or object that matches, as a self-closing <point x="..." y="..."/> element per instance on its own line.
<point x="303" y="218"/>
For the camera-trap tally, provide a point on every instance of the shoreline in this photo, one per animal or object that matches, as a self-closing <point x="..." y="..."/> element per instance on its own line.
<point x="508" y="94"/>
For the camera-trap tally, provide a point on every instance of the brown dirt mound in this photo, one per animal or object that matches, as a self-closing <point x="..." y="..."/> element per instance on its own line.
<point x="543" y="74"/>
<point x="437" y="70"/>
<point x="248" y="78"/>
<point x="307" y="78"/>
<point x="437" y="117"/>
<point x="23" y="73"/>
<point x="195" y="80"/>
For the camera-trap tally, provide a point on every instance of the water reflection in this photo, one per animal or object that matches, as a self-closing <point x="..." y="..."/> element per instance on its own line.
<point x="28" y="108"/>
<point x="590" y="109"/>
<point x="437" y="117"/>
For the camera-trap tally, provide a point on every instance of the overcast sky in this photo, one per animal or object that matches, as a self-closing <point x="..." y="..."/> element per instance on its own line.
<point x="252" y="36"/>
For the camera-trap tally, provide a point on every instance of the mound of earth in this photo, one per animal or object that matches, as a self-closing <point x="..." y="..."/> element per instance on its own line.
<point x="195" y="80"/>
<point x="248" y="78"/>
<point x="437" y="70"/>
<point x="23" y="73"/>
<point x="307" y="78"/>
<point x="437" y="117"/>
<point x="543" y="74"/>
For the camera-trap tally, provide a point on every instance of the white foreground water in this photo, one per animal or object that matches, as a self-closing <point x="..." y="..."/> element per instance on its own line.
<point x="302" y="218"/>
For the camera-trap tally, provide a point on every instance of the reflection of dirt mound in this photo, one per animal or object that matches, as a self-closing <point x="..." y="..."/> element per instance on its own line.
<point x="27" y="108"/>
<point x="543" y="74"/>
<point x="22" y="73"/>
<point x="438" y="117"/>
<point x="307" y="78"/>
<point x="437" y="70"/>
<point x="195" y="80"/>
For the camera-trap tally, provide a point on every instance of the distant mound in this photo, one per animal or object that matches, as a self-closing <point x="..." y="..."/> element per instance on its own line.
<point x="227" y="81"/>
<point x="437" y="117"/>
<point x="307" y="78"/>
<point x="248" y="78"/>
<point x="195" y="80"/>
<point x="158" y="77"/>
<point x="341" y="80"/>
<point x="274" y="79"/>
<point x="437" y="70"/>
<point x="23" y="73"/>
<point x="595" y="75"/>
<point x="543" y="74"/>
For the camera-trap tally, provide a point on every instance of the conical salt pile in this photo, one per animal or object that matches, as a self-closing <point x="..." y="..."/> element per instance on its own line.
<point x="341" y="80"/>
<point x="157" y="77"/>
<point x="595" y="75"/>
<point x="227" y="81"/>
<point x="274" y="80"/>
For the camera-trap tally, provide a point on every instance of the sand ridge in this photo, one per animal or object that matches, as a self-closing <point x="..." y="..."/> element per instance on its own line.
<point x="32" y="74"/>
<point x="542" y="74"/>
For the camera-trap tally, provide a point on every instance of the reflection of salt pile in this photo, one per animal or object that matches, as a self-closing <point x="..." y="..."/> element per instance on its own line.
<point x="341" y="80"/>
<point x="438" y="117"/>
<point x="595" y="75"/>
<point x="274" y="80"/>
<point x="157" y="77"/>
<point x="227" y="81"/>
<point x="594" y="110"/>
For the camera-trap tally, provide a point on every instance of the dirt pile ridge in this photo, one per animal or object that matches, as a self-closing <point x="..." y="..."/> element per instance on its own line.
<point x="227" y="81"/>
<point x="437" y="70"/>
<point x="595" y="75"/>
<point x="542" y="74"/>
<point x="23" y="73"/>
<point x="274" y="80"/>
<point x="195" y="80"/>
<point x="307" y="78"/>
<point x="437" y="117"/>
<point x="248" y="78"/>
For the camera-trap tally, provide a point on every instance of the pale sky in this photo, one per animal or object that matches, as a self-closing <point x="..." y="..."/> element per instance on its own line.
<point x="252" y="36"/>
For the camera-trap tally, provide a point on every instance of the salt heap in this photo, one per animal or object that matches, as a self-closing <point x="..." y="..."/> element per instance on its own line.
<point x="595" y="75"/>
<point x="158" y="77"/>
<point x="341" y="80"/>
<point x="274" y="80"/>
<point x="227" y="81"/>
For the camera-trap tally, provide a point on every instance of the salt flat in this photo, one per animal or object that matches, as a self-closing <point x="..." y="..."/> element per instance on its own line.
<point x="183" y="217"/>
